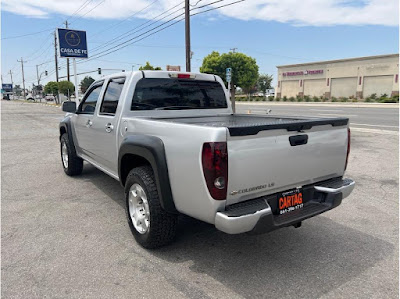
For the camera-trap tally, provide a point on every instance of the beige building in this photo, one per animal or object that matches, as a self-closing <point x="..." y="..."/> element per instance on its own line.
<point x="357" y="77"/>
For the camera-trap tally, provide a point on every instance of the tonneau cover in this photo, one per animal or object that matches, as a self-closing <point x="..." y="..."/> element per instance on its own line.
<point x="244" y="124"/>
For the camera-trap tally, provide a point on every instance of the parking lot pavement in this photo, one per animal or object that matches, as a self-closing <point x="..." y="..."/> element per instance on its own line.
<point x="68" y="237"/>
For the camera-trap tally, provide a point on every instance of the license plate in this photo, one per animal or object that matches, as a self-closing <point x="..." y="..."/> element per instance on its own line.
<point x="289" y="201"/>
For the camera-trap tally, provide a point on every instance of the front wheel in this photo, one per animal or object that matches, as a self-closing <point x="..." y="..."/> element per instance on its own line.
<point x="72" y="164"/>
<point x="151" y="226"/>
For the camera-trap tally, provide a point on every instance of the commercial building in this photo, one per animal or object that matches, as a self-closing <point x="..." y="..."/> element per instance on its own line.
<point x="354" y="77"/>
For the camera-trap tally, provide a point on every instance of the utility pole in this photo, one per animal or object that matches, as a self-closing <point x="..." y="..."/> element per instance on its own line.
<point x="233" y="50"/>
<point x="68" y="76"/>
<point x="12" y="82"/>
<point x="187" y="35"/>
<point x="55" y="56"/>
<point x="23" y="77"/>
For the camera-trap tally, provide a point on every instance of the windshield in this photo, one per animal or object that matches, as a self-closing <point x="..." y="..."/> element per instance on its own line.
<point x="177" y="94"/>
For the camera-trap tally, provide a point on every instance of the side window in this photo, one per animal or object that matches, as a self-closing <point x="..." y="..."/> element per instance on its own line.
<point x="88" y="105"/>
<point x="111" y="96"/>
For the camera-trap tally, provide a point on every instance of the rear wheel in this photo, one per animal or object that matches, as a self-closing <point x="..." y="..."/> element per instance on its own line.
<point x="151" y="226"/>
<point x="72" y="164"/>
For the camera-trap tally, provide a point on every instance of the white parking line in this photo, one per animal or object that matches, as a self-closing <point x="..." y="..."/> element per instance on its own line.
<point x="379" y="126"/>
<point x="375" y="131"/>
<point x="326" y="110"/>
<point x="340" y="115"/>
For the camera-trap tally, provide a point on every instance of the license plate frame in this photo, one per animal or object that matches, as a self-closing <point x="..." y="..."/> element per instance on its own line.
<point x="290" y="200"/>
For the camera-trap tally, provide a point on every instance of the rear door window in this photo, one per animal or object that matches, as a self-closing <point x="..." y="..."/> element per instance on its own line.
<point x="111" y="96"/>
<point x="177" y="94"/>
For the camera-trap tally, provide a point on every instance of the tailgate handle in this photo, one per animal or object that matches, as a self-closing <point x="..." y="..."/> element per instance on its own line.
<point x="298" y="140"/>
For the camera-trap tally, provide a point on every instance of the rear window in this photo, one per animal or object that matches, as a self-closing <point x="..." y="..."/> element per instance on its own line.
<point x="177" y="94"/>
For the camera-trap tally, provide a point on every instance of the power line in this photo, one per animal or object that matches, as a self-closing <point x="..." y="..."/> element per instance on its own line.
<point x="79" y="9"/>
<point x="28" y="34"/>
<point x="218" y="7"/>
<point x="129" y="32"/>
<point x="116" y="24"/>
<point x="81" y="16"/>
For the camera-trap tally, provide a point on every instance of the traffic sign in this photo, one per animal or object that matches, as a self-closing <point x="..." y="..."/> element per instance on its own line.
<point x="228" y="74"/>
<point x="72" y="43"/>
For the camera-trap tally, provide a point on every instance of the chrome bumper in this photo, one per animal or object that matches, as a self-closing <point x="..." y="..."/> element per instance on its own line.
<point x="256" y="215"/>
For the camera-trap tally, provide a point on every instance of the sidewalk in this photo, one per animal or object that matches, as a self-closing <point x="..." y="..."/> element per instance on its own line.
<point x="322" y="104"/>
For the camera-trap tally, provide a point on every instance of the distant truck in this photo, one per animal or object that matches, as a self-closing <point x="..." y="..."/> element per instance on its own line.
<point x="174" y="144"/>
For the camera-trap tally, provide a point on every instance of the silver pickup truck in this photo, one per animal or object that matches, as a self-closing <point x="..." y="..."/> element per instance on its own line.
<point x="174" y="144"/>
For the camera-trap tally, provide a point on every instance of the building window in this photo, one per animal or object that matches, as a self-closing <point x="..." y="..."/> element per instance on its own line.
<point x="279" y="83"/>
<point x="359" y="80"/>
<point x="327" y="82"/>
<point x="301" y="83"/>
<point x="396" y="78"/>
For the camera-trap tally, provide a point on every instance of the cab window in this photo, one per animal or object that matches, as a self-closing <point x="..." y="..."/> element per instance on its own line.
<point x="111" y="96"/>
<point x="88" y="104"/>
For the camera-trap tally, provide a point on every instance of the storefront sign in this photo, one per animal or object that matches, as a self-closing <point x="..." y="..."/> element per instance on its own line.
<point x="301" y="73"/>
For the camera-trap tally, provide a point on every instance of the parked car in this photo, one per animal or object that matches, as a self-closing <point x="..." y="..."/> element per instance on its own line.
<point x="49" y="97"/>
<point x="175" y="146"/>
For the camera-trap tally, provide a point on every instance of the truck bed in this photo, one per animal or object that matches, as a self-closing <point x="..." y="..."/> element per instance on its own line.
<point x="244" y="124"/>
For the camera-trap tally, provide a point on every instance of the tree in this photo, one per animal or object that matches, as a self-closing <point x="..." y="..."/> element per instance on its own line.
<point x="244" y="68"/>
<point x="264" y="82"/>
<point x="17" y="90"/>
<point x="51" y="88"/>
<point x="85" y="83"/>
<point x="149" y="67"/>
<point x="66" y="88"/>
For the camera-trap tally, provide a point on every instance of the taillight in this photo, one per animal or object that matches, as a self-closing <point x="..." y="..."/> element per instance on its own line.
<point x="215" y="168"/>
<point x="348" y="148"/>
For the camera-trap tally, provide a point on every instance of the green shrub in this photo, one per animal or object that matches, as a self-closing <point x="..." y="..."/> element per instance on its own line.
<point x="372" y="96"/>
<point x="396" y="98"/>
<point x="369" y="100"/>
<point x="316" y="99"/>
<point x="389" y="100"/>
<point x="354" y="100"/>
<point x="325" y="99"/>
<point x="292" y="99"/>
<point x="271" y="99"/>
<point x="307" y="98"/>
<point x="343" y="99"/>
<point x="277" y="99"/>
<point x="333" y="99"/>
<point x="285" y="99"/>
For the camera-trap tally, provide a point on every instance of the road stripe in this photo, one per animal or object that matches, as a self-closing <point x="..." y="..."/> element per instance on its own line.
<point x="339" y="115"/>
<point x="379" y="126"/>
<point x="374" y="131"/>
<point x="326" y="110"/>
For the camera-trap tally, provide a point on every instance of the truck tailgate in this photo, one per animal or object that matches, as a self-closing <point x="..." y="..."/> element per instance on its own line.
<point x="277" y="160"/>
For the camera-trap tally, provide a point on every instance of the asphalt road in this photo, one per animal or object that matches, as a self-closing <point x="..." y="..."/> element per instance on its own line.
<point x="377" y="118"/>
<point x="66" y="237"/>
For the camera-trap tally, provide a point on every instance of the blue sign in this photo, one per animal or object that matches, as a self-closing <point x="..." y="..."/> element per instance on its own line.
<point x="72" y="43"/>
<point x="7" y="87"/>
<point x="228" y="74"/>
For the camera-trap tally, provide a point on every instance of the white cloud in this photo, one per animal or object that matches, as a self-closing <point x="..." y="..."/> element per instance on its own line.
<point x="296" y="12"/>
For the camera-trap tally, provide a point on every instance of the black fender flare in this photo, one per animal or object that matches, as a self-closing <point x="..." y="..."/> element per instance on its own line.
<point x="150" y="148"/>
<point x="65" y="125"/>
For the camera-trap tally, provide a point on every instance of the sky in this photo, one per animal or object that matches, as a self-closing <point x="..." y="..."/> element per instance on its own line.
<point x="274" y="32"/>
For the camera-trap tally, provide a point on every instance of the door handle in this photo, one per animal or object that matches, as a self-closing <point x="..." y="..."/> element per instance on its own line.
<point x="89" y="123"/>
<point x="109" y="127"/>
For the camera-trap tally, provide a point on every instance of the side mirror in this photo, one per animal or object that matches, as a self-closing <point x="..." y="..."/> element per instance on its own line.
<point x="69" y="106"/>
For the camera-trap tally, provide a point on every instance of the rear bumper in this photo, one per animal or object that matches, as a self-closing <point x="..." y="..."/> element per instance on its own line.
<point x="256" y="215"/>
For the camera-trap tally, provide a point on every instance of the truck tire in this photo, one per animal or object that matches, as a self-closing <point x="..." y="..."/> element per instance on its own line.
<point x="150" y="224"/>
<point x="71" y="163"/>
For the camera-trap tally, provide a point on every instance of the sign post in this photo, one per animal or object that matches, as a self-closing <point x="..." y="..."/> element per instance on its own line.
<point x="229" y="79"/>
<point x="73" y="44"/>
